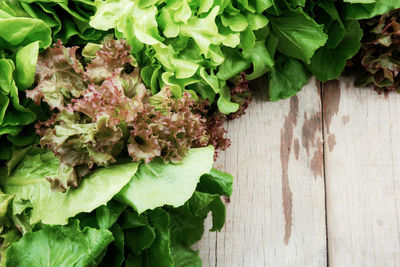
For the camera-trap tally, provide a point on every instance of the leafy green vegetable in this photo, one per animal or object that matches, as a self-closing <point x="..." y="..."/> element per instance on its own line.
<point x="216" y="182"/>
<point x="29" y="183"/>
<point x="16" y="32"/>
<point x="302" y="42"/>
<point x="186" y="41"/>
<point x="184" y="256"/>
<point x="26" y="59"/>
<point x="364" y="9"/>
<point x="377" y="62"/>
<point x="337" y="56"/>
<point x="8" y="238"/>
<point x="20" y="40"/>
<point x="5" y="200"/>
<point x="68" y="20"/>
<point x="108" y="214"/>
<point x="59" y="246"/>
<point x="281" y="82"/>
<point x="157" y="184"/>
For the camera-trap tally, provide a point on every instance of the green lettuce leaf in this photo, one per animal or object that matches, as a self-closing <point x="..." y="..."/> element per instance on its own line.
<point x="28" y="182"/>
<point x="299" y="35"/>
<point x="5" y="200"/>
<point x="25" y="61"/>
<point x="338" y="56"/>
<point x="7" y="239"/>
<point x="108" y="214"/>
<point x="216" y="182"/>
<point x="59" y="246"/>
<point x="287" y="79"/>
<point x="364" y="9"/>
<point x="115" y="252"/>
<point x="159" y="253"/>
<point x="157" y="184"/>
<point x="17" y="32"/>
<point x="185" y="256"/>
<point x="187" y="222"/>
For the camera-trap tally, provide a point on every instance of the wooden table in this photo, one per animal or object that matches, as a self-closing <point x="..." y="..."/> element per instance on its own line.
<point x="317" y="181"/>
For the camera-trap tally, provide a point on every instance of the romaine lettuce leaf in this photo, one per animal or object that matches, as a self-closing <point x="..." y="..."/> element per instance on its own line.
<point x="15" y="32"/>
<point x="157" y="184"/>
<point x="25" y="63"/>
<point x="28" y="182"/>
<point x="59" y="246"/>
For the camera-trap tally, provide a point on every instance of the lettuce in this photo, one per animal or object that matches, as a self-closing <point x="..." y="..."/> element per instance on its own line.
<point x="59" y="246"/>
<point x="202" y="45"/>
<point x="185" y="43"/>
<point x="364" y="9"/>
<point x="156" y="184"/>
<point x="20" y="41"/>
<point x="161" y="236"/>
<point x="68" y="20"/>
<point x="28" y="182"/>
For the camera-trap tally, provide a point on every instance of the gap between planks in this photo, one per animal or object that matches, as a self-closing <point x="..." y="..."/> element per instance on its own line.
<point x="359" y="190"/>
<point x="277" y="214"/>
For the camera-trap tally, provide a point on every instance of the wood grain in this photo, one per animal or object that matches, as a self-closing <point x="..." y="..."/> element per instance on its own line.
<point x="277" y="212"/>
<point x="362" y="167"/>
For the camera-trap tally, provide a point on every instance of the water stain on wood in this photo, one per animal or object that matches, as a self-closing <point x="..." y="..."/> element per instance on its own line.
<point x="331" y="99"/>
<point x="317" y="161"/>
<point x="296" y="147"/>
<point x="309" y="130"/>
<point x="285" y="149"/>
<point x="331" y="142"/>
<point x="345" y="119"/>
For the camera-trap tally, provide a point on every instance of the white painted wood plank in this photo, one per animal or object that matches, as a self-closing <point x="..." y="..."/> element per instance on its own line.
<point x="362" y="175"/>
<point x="277" y="212"/>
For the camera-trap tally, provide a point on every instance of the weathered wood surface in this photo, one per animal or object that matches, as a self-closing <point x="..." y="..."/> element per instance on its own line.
<point x="362" y="176"/>
<point x="287" y="157"/>
<point x="277" y="212"/>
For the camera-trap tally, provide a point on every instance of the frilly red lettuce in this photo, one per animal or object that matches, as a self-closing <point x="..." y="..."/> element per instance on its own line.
<point x="167" y="130"/>
<point x="378" y="61"/>
<point x="112" y="114"/>
<point x="59" y="75"/>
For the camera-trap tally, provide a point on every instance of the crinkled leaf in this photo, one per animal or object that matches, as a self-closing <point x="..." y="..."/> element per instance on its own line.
<point x="59" y="74"/>
<point x="261" y="58"/>
<point x="224" y="101"/>
<point x="81" y="143"/>
<point x="59" y="246"/>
